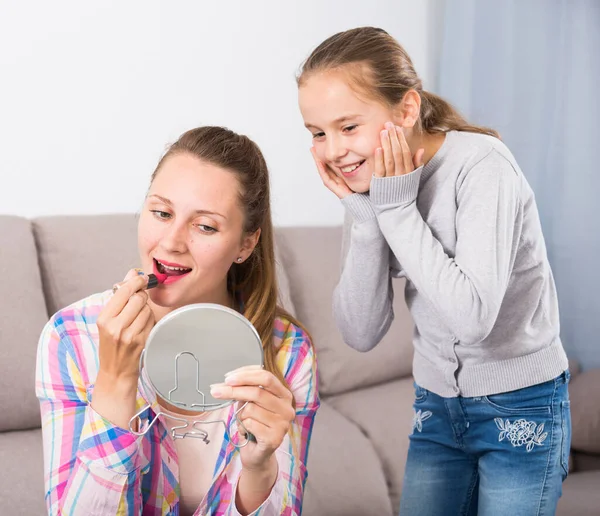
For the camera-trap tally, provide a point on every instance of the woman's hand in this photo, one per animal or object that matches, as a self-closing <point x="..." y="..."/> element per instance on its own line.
<point x="267" y="415"/>
<point x="123" y="326"/>
<point x="330" y="179"/>
<point x="394" y="158"/>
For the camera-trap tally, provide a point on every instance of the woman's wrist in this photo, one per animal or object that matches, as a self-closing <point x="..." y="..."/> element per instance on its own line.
<point x="255" y="485"/>
<point x="115" y="399"/>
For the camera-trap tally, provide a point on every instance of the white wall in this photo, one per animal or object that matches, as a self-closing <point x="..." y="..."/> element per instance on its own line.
<point x="92" y="92"/>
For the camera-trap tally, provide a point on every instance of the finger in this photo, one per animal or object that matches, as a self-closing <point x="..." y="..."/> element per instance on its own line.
<point x="327" y="175"/>
<point x="140" y="322"/>
<point x="244" y="368"/>
<point x="407" y="161"/>
<point x="379" y="164"/>
<point x="148" y="328"/>
<point x="258" y="378"/>
<point x="330" y="178"/>
<point x="418" y="159"/>
<point x="132" y="309"/>
<point x="262" y="433"/>
<point x="261" y="397"/>
<point x="399" y="168"/>
<point x="388" y="157"/>
<point x="130" y="275"/>
<point x="121" y="297"/>
<point x="260" y="414"/>
<point x="320" y="165"/>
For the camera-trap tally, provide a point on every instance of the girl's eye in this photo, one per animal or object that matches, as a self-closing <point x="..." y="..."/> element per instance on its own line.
<point x="206" y="229"/>
<point x="318" y="135"/>
<point x="162" y="215"/>
<point x="350" y="128"/>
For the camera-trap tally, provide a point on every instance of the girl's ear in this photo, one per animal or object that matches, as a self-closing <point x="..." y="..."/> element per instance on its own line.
<point x="408" y="110"/>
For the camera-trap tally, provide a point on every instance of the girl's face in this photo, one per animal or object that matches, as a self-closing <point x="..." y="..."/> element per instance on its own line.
<point x="346" y="128"/>
<point x="191" y="231"/>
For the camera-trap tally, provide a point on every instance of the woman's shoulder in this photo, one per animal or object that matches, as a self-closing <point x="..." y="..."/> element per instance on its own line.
<point x="296" y="358"/>
<point x="293" y="343"/>
<point x="287" y="331"/>
<point x="80" y="314"/>
<point x="67" y="348"/>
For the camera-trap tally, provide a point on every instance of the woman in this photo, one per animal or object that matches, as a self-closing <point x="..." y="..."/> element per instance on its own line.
<point x="206" y="232"/>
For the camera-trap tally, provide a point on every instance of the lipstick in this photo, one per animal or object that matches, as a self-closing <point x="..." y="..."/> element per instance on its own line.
<point x="153" y="281"/>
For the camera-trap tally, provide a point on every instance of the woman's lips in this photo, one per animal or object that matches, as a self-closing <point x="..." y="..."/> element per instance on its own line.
<point x="165" y="278"/>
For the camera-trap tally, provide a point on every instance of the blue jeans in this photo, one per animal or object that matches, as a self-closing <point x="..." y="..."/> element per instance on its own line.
<point x="503" y="454"/>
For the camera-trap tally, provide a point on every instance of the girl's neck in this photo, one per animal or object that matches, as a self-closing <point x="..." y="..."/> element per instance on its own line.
<point x="430" y="142"/>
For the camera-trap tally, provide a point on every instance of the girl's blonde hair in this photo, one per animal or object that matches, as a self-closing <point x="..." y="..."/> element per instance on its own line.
<point x="380" y="68"/>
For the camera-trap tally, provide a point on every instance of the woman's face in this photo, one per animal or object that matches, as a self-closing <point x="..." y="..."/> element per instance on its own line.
<point x="191" y="231"/>
<point x="346" y="128"/>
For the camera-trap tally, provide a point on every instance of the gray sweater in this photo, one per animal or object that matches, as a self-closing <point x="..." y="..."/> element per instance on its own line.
<point x="464" y="231"/>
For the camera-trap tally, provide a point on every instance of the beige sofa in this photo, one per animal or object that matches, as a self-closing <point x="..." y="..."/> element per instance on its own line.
<point x="360" y="438"/>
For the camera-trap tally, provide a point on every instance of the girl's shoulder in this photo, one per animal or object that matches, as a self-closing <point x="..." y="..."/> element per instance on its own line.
<point x="477" y="149"/>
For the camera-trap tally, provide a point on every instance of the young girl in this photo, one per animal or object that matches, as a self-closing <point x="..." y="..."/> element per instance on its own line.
<point x="444" y="204"/>
<point x="207" y="214"/>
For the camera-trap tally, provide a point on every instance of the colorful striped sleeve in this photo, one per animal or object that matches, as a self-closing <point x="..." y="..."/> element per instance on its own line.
<point x="296" y="358"/>
<point x="90" y="466"/>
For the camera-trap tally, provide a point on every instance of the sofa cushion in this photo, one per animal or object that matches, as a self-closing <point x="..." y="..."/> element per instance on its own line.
<point x="384" y="414"/>
<point x="585" y="411"/>
<point x="311" y="257"/>
<point x="22" y="317"/>
<point x="585" y="461"/>
<point x="22" y="473"/>
<point x="581" y="496"/>
<point x="86" y="254"/>
<point x="344" y="474"/>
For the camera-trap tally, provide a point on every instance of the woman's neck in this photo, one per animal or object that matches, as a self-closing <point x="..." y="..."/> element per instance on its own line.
<point x="224" y="298"/>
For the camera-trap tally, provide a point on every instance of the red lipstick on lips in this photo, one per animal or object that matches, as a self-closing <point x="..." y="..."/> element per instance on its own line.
<point x="166" y="276"/>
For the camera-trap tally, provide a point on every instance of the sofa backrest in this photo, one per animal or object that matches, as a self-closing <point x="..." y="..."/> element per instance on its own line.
<point x="22" y="317"/>
<point x="51" y="262"/>
<point x="311" y="258"/>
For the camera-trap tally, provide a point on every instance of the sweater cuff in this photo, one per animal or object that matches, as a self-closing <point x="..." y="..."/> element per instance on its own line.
<point x="396" y="189"/>
<point x="359" y="206"/>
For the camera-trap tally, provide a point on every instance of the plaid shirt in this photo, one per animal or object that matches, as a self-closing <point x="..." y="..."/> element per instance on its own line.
<point x="92" y="467"/>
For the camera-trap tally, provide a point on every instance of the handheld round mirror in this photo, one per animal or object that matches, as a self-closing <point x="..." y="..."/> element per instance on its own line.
<point x="192" y="348"/>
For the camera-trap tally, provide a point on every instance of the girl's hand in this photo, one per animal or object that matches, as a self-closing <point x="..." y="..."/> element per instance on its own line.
<point x="394" y="158"/>
<point x="330" y="179"/>
<point x="267" y="416"/>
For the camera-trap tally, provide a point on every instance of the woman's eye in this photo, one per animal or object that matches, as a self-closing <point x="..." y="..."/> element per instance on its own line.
<point x="206" y="229"/>
<point x="163" y="215"/>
